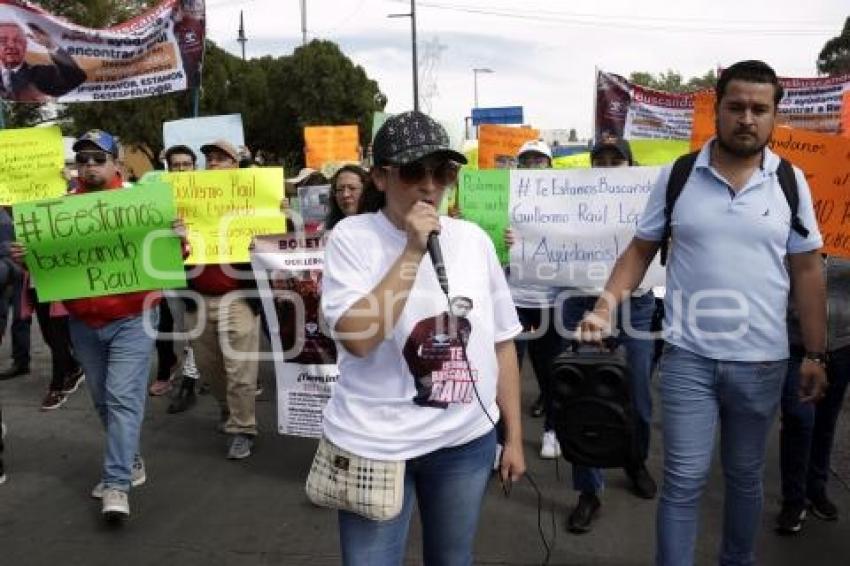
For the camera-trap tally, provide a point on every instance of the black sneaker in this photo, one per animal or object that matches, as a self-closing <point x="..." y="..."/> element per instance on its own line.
<point x="581" y="519"/>
<point x="642" y="483"/>
<point x="822" y="508"/>
<point x="790" y="518"/>
<point x="185" y="397"/>
<point x="15" y="370"/>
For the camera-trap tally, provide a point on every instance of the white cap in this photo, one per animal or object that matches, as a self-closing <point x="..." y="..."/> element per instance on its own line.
<point x="535" y="146"/>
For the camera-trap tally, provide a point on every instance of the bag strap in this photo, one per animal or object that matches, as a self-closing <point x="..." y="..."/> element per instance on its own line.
<point x="679" y="174"/>
<point x="788" y="183"/>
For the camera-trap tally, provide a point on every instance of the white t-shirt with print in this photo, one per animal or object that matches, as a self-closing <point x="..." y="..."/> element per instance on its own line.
<point x="413" y="393"/>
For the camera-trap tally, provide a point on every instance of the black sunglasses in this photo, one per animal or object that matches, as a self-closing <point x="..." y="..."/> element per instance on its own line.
<point x="443" y="172"/>
<point x="87" y="157"/>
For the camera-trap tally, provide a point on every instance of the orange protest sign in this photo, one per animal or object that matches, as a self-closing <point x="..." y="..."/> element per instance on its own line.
<point x="825" y="159"/>
<point x="498" y="145"/>
<point x="325" y="144"/>
<point x="703" y="123"/>
<point x="845" y="114"/>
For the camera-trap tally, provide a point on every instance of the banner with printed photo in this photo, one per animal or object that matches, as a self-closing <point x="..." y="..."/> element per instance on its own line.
<point x="46" y="58"/>
<point x="627" y="110"/>
<point x="288" y="270"/>
<point x="101" y="243"/>
<point x="572" y="224"/>
<point x="224" y="210"/>
<point x="31" y="162"/>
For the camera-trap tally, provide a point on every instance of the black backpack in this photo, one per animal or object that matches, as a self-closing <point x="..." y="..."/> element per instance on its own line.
<point x="680" y="173"/>
<point x="592" y="408"/>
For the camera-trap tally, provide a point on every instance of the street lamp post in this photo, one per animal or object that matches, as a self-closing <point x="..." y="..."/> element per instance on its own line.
<point x="475" y="80"/>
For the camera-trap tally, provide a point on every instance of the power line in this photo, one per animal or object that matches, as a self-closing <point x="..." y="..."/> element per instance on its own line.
<point x="604" y="21"/>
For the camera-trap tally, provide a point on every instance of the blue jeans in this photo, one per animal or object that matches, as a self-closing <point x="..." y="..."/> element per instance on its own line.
<point x="541" y="350"/>
<point x="449" y="484"/>
<point x="117" y="360"/>
<point x="696" y="393"/>
<point x="808" y="430"/>
<point x="639" y="351"/>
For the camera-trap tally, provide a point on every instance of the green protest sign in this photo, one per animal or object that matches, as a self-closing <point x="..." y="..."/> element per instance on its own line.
<point x="483" y="199"/>
<point x="101" y="243"/>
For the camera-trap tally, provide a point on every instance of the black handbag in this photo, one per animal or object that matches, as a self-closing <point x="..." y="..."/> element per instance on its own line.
<point x="591" y="407"/>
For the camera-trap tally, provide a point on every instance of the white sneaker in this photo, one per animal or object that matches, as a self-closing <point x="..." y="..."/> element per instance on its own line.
<point x="116" y="504"/>
<point x="551" y="448"/>
<point x="137" y="477"/>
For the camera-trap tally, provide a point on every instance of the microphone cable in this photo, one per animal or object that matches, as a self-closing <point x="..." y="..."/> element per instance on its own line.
<point x="546" y="545"/>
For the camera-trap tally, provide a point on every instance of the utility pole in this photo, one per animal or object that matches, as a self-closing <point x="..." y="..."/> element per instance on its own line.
<point x="303" y="22"/>
<point x="412" y="16"/>
<point x="241" y="37"/>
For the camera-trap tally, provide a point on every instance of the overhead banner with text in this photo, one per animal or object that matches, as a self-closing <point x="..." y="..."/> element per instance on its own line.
<point x="51" y="59"/>
<point x="631" y="111"/>
<point x="101" y="243"/>
<point x="223" y="210"/>
<point x="288" y="271"/>
<point x="31" y="161"/>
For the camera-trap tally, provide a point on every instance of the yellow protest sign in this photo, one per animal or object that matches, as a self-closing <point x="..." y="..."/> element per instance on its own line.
<point x="31" y="161"/>
<point x="574" y="161"/>
<point x="224" y="210"/>
<point x="658" y="152"/>
<point x="327" y="144"/>
<point x="498" y="145"/>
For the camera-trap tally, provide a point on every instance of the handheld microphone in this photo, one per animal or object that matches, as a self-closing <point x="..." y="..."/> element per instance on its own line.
<point x="437" y="259"/>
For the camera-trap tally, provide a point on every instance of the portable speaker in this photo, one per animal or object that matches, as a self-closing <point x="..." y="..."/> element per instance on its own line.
<point x="592" y="408"/>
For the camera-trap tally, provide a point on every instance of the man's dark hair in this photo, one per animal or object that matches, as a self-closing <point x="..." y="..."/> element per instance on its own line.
<point x="752" y="72"/>
<point x="184" y="149"/>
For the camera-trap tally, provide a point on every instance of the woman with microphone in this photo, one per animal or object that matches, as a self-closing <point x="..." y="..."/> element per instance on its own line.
<point x="421" y="382"/>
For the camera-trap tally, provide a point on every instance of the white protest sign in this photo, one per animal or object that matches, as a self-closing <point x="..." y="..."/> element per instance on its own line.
<point x="571" y="225"/>
<point x="288" y="271"/>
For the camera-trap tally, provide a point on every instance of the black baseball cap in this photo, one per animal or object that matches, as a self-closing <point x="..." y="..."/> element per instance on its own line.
<point x="410" y="136"/>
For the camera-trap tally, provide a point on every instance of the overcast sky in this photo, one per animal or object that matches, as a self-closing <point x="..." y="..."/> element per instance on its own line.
<point x="543" y="52"/>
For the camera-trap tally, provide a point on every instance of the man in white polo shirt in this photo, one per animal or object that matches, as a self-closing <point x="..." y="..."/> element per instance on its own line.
<point x="734" y="260"/>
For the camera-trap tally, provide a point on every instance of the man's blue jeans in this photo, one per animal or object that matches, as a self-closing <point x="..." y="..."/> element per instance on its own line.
<point x="449" y="485"/>
<point x="696" y="394"/>
<point x="639" y="351"/>
<point x="117" y="360"/>
<point x="808" y="430"/>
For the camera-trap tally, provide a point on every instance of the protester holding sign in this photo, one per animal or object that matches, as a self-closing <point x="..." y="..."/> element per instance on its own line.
<point x="231" y="318"/>
<point x="535" y="306"/>
<point x="406" y="394"/>
<point x="112" y="344"/>
<point x="728" y="287"/>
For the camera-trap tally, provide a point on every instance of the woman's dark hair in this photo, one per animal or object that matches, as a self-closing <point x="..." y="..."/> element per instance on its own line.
<point x="335" y="214"/>
<point x="751" y="72"/>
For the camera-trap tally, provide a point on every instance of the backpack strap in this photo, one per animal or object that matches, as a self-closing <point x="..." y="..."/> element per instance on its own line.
<point x="679" y="174"/>
<point x="788" y="183"/>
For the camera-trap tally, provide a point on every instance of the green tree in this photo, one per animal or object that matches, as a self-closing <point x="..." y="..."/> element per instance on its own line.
<point x="672" y="81"/>
<point x="834" y="58"/>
